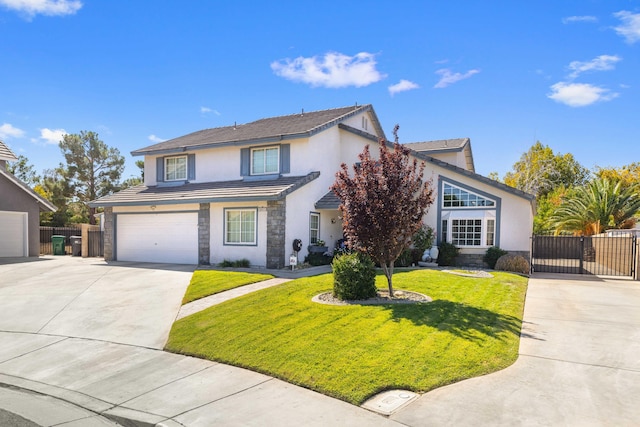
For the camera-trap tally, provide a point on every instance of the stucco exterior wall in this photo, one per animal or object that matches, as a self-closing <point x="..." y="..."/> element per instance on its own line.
<point x="15" y="199"/>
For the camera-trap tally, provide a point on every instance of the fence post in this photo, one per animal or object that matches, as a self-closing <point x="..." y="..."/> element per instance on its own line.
<point x="635" y="259"/>
<point x="581" y="255"/>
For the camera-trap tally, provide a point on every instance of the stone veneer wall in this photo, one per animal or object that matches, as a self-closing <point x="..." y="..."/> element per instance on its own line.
<point x="476" y="260"/>
<point x="276" y="219"/>
<point x="108" y="234"/>
<point x="204" y="234"/>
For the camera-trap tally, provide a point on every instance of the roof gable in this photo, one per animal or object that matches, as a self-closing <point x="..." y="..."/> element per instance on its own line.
<point x="303" y="124"/>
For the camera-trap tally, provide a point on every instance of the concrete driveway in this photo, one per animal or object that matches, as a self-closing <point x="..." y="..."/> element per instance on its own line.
<point x="120" y="302"/>
<point x="579" y="363"/>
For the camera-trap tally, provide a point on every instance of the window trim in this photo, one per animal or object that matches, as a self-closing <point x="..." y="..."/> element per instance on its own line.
<point x="225" y="239"/>
<point x="166" y="168"/>
<point x="314" y="214"/>
<point x="252" y="171"/>
<point x="457" y="212"/>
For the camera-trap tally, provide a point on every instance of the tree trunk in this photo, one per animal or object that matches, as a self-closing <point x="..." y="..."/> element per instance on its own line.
<point x="388" y="272"/>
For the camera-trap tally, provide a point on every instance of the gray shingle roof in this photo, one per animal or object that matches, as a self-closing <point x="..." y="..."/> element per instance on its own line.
<point x="6" y="153"/>
<point x="207" y="192"/>
<point x="264" y="130"/>
<point x="328" y="201"/>
<point x="456" y="144"/>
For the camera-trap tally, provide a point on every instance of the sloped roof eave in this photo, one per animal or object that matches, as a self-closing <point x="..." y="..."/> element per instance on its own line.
<point x="177" y="195"/>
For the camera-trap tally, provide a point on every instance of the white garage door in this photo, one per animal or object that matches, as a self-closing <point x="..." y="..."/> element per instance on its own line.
<point x="160" y="237"/>
<point x="13" y="234"/>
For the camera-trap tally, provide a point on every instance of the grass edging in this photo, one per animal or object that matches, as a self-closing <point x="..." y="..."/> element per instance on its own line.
<point x="209" y="282"/>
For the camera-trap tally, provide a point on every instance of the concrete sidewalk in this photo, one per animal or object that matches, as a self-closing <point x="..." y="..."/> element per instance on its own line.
<point x="145" y="387"/>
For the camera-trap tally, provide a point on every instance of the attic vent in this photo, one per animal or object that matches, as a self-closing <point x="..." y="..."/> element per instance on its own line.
<point x="365" y="123"/>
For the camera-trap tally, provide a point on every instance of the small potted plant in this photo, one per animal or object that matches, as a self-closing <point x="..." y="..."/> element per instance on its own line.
<point x="318" y="247"/>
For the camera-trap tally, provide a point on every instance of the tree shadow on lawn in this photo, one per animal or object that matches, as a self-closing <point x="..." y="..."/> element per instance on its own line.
<point x="462" y="320"/>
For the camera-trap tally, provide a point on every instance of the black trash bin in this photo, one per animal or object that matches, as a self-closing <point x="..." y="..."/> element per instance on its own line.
<point x="76" y="245"/>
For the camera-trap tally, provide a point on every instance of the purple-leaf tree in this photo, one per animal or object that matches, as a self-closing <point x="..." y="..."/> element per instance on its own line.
<point x="382" y="205"/>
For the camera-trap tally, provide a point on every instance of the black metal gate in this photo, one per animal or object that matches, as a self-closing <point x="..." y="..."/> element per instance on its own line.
<point x="600" y="255"/>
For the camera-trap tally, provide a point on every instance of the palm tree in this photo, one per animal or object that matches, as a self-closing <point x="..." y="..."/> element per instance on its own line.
<point x="601" y="204"/>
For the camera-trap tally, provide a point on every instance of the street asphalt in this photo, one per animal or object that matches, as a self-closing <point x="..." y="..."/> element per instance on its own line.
<point x="89" y="334"/>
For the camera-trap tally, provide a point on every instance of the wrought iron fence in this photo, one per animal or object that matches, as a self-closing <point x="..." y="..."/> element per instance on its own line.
<point x="600" y="255"/>
<point x="95" y="240"/>
<point x="46" y="233"/>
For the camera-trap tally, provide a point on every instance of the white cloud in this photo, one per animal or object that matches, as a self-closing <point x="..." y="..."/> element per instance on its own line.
<point x="9" y="131"/>
<point x="600" y="63"/>
<point x="332" y="70"/>
<point x="154" y="138"/>
<point x="579" y="94"/>
<point x="52" y="136"/>
<point x="43" y="7"/>
<point x="206" y="110"/>
<point x="402" y="86"/>
<point x="630" y="27"/>
<point x="449" y="78"/>
<point x="571" y="19"/>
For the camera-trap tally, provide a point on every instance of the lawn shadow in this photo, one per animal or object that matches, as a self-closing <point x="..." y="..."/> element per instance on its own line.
<point x="459" y="319"/>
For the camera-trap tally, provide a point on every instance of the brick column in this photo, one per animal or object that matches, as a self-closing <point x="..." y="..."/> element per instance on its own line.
<point x="276" y="221"/>
<point x="204" y="234"/>
<point x="108" y="234"/>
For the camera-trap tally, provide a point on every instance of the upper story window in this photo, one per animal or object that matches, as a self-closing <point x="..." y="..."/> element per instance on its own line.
<point x="175" y="168"/>
<point x="454" y="197"/>
<point x="365" y="123"/>
<point x="265" y="160"/>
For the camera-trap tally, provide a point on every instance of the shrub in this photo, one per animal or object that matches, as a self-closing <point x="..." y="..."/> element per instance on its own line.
<point x="354" y="277"/>
<point x="447" y="254"/>
<point x="316" y="259"/>
<point x="241" y="263"/>
<point x="514" y="263"/>
<point x="492" y="255"/>
<point x="423" y="239"/>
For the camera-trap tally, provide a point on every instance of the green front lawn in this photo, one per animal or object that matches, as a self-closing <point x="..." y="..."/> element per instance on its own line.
<point x="353" y="352"/>
<point x="208" y="282"/>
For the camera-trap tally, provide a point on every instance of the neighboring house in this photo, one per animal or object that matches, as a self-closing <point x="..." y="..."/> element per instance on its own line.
<point x="248" y="191"/>
<point x="20" y="209"/>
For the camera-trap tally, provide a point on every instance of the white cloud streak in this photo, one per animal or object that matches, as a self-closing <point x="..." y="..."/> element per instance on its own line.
<point x="154" y="138"/>
<point x="43" y="7"/>
<point x="52" y="136"/>
<point x="402" y="86"/>
<point x="572" y="19"/>
<point x="600" y="63"/>
<point x="333" y="70"/>
<point x="630" y="27"/>
<point x="579" y="94"/>
<point x="9" y="131"/>
<point x="207" y="110"/>
<point x="449" y="77"/>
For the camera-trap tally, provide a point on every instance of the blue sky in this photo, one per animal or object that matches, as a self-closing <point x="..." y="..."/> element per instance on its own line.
<point x="503" y="73"/>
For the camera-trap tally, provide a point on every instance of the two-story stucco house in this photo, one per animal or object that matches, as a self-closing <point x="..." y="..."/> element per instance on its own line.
<point x="248" y="191"/>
